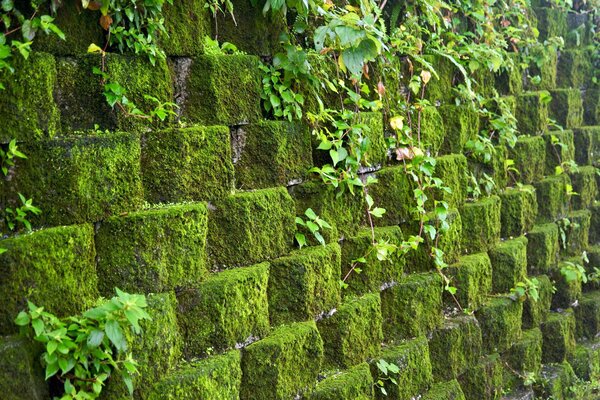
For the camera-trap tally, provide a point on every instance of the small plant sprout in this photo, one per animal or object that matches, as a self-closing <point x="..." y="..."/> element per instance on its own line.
<point x="313" y="224"/>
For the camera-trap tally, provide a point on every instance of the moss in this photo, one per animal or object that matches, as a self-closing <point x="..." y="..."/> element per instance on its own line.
<point x="551" y="22"/>
<point x="535" y="312"/>
<point x="525" y="356"/>
<point x="230" y="307"/>
<point x="552" y="197"/>
<point x="376" y="153"/>
<point x="355" y="383"/>
<point x="461" y="124"/>
<point x="566" y="107"/>
<point x="374" y="273"/>
<point x="414" y="377"/>
<point x="542" y="248"/>
<point x="594" y="232"/>
<point x="584" y="184"/>
<point x="591" y="106"/>
<point x="587" y="145"/>
<point x="222" y="90"/>
<point x="556" y="381"/>
<point x="559" y="336"/>
<point x="574" y="69"/>
<point x="509" y="264"/>
<point x="484" y="380"/>
<point x="439" y="89"/>
<point x="510" y="81"/>
<point x="27" y="103"/>
<point x="283" y="364"/>
<point x="450" y="390"/>
<point x="248" y="227"/>
<point x="353" y="333"/>
<point x="271" y="153"/>
<point x="587" y="315"/>
<point x="519" y="210"/>
<point x="586" y="361"/>
<point x="529" y="156"/>
<point x="481" y="224"/>
<point x="546" y="70"/>
<point x="531" y="113"/>
<point x="394" y="192"/>
<point x="92" y="177"/>
<point x="412" y="307"/>
<point x="472" y="276"/>
<point x="452" y="170"/>
<point x="187" y="164"/>
<point x="577" y="235"/>
<point x="566" y="293"/>
<point x="21" y="374"/>
<point x="186" y="23"/>
<point x="558" y="153"/>
<point x="54" y="268"/>
<point x="217" y="377"/>
<point x="304" y="284"/>
<point x="432" y="129"/>
<point x="500" y="321"/>
<point x="454" y="347"/>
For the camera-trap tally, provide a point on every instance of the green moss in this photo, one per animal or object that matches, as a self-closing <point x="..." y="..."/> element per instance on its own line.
<point x="414" y="377"/>
<point x="542" y="248"/>
<point x="452" y="170"/>
<point x="529" y="156"/>
<point x="472" y="276"/>
<point x="271" y="153"/>
<point x="461" y="124"/>
<point x="152" y="251"/>
<point x="283" y="364"/>
<point x="566" y="107"/>
<point x="450" y="390"/>
<point x="374" y="273"/>
<point x="432" y="129"/>
<point x="556" y="381"/>
<point x="353" y="333"/>
<point x="586" y="361"/>
<point x="217" y="377"/>
<point x="27" y="103"/>
<point x="591" y="106"/>
<point x="584" y="184"/>
<point x="481" y="224"/>
<point x="484" y="380"/>
<point x="552" y="197"/>
<point x="394" y="192"/>
<point x="21" y="373"/>
<point x="187" y="164"/>
<point x="566" y="293"/>
<point x="228" y="308"/>
<point x="519" y="210"/>
<point x="531" y="113"/>
<point x="587" y="145"/>
<point x="53" y="268"/>
<point x="558" y="153"/>
<point x="304" y="284"/>
<point x="355" y="383"/>
<point x="574" y="69"/>
<point x="587" y="315"/>
<point x="509" y="264"/>
<point x="439" y="89"/>
<point x="559" y="336"/>
<point x="376" y="154"/>
<point x="454" y="347"/>
<point x="525" y="356"/>
<point x="249" y="227"/>
<point x="92" y="177"/>
<point x="187" y="22"/>
<point x="412" y="307"/>
<point x="551" y="22"/>
<point x="500" y="321"/>
<point x="577" y="235"/>
<point x="222" y="90"/>
<point x="535" y="312"/>
<point x="510" y="81"/>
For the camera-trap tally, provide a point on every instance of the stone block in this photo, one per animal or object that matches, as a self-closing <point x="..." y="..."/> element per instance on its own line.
<point x="552" y="197"/>
<point x="484" y="380"/>
<point x="566" y="107"/>
<point x="355" y="383"/>
<point x="22" y="375"/>
<point x="461" y="124"/>
<point x="472" y="276"/>
<point x="587" y="315"/>
<point x="584" y="184"/>
<point x="558" y="332"/>
<point x="542" y="248"/>
<point x="529" y="155"/>
<point x="519" y="210"/>
<point x="481" y="224"/>
<point x="535" y="312"/>
<point x="509" y="264"/>
<point x="531" y="113"/>
<point x="500" y="321"/>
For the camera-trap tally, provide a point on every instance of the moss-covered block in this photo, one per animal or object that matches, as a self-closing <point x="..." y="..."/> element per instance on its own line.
<point x="472" y="277"/>
<point x="412" y="307"/>
<point x="376" y="154"/>
<point x="249" y="227"/>
<point x="54" y="268"/>
<point x="91" y="178"/>
<point x="577" y="233"/>
<point x="452" y="170"/>
<point x="483" y="381"/>
<point x="551" y="22"/>
<point x="439" y="88"/>
<point x="525" y="356"/>
<point x="187" y="164"/>
<point x="374" y="273"/>
<point x="510" y="81"/>
<point x="355" y="383"/>
<point x="226" y="309"/>
<point x="283" y="364"/>
<point x="519" y="210"/>
<point x="152" y="251"/>
<point x="587" y="315"/>
<point x="531" y="113"/>
<point x="586" y="361"/>
<point x="591" y="106"/>
<point x="222" y="90"/>
<point x="481" y="224"/>
<point x="556" y="381"/>
<point x="594" y="232"/>
<point x="500" y="321"/>
<point x="394" y="192"/>
<point x="529" y="156"/>
<point x="542" y="248"/>
<point x="552" y="197"/>
<point x="587" y="145"/>
<point x="414" y="377"/>
<point x="21" y="373"/>
<point x="461" y="124"/>
<point x="271" y="153"/>
<point x="560" y="148"/>
<point x="574" y="69"/>
<point x="559" y="336"/>
<point x="27" y="102"/>
<point x="432" y="129"/>
<point x="187" y="22"/>
<point x="535" y="312"/>
<point x="509" y="264"/>
<point x="454" y="347"/>
<point x="566" y="107"/>
<point x="217" y="377"/>
<point x="545" y="69"/>
<point x="450" y="390"/>
<point x="584" y="184"/>
<point x="304" y="284"/>
<point x="353" y="333"/>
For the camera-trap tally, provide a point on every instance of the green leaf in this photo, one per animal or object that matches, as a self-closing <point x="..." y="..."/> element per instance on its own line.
<point x="115" y="335"/>
<point x="310" y="213"/>
<point x="301" y="239"/>
<point x="23" y="318"/>
<point x="95" y="338"/>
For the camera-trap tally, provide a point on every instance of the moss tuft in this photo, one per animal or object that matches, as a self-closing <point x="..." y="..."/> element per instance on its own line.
<point x="509" y="264"/>
<point x="461" y="124"/>
<point x="500" y="321"/>
<point x="483" y="381"/>
<point x="481" y="224"/>
<point x="529" y="156"/>
<point x="552" y="197"/>
<point x="525" y="356"/>
<point x="355" y="383"/>
<point x="432" y="129"/>
<point x="472" y="276"/>
<point x="586" y="361"/>
<point x="519" y="210"/>
<point x="542" y="248"/>
<point x="559" y="336"/>
<point x="531" y="113"/>
<point x="21" y="374"/>
<point x="394" y="192"/>
<point x="187" y="22"/>
<point x="450" y="390"/>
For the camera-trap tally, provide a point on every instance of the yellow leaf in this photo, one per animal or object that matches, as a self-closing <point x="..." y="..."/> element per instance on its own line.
<point x="94" y="48"/>
<point x="425" y="76"/>
<point x="397" y="123"/>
